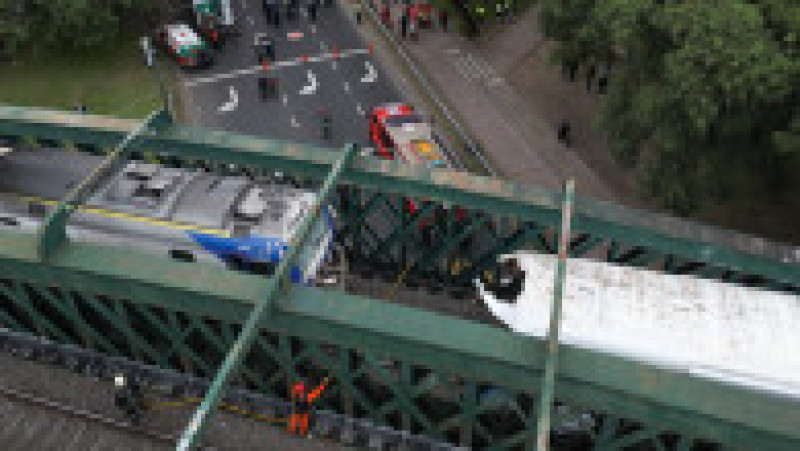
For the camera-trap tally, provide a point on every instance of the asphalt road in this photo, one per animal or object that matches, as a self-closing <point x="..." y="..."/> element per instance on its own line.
<point x="226" y="96"/>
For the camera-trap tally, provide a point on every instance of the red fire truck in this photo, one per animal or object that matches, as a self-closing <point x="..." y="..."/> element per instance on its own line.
<point x="395" y="129"/>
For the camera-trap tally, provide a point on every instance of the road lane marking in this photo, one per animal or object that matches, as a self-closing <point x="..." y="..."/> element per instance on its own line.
<point x="471" y="68"/>
<point x="230" y="105"/>
<point x="288" y="63"/>
<point x="461" y="67"/>
<point x="372" y="74"/>
<point x="313" y="28"/>
<point x="250" y="21"/>
<point x="346" y="87"/>
<point x="360" y="109"/>
<point x="312" y="87"/>
<point x="295" y="124"/>
<point x="285" y="100"/>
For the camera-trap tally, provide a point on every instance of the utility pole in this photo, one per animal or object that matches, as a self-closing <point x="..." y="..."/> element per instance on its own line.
<point x="151" y="61"/>
<point x="548" y="379"/>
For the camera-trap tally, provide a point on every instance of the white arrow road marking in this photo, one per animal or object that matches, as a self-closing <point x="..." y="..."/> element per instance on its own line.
<point x="359" y="109"/>
<point x="372" y="74"/>
<point x="333" y="64"/>
<point x="313" y="28"/>
<point x="230" y="105"/>
<point x="309" y="89"/>
<point x="285" y="100"/>
<point x="452" y="51"/>
<point x="295" y="124"/>
<point x="346" y="87"/>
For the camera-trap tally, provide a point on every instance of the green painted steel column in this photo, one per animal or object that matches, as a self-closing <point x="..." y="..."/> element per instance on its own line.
<point x="238" y="352"/>
<point x="546" y="400"/>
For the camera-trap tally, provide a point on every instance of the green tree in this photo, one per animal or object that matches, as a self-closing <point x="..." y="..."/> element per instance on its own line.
<point x="699" y="84"/>
<point x="72" y="25"/>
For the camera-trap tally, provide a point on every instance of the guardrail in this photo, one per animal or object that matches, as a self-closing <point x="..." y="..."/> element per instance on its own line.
<point x="471" y="145"/>
<point x="328" y="424"/>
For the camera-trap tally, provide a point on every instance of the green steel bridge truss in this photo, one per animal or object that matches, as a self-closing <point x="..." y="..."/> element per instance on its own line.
<point x="396" y="365"/>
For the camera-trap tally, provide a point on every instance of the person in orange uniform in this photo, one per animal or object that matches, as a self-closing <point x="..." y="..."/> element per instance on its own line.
<point x="301" y="406"/>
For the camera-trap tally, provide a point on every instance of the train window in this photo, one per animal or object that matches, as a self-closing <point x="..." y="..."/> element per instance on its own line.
<point x="11" y="222"/>
<point x="181" y="255"/>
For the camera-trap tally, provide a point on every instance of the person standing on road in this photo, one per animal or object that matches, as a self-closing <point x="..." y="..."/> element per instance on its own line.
<point x="128" y="397"/>
<point x="443" y="19"/>
<point x="403" y="25"/>
<point x="325" y="117"/>
<point x="312" y="10"/>
<point x="357" y="10"/>
<point x="563" y="133"/>
<point x="590" y="74"/>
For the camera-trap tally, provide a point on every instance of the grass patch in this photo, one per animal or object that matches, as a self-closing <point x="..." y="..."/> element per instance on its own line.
<point x="112" y="82"/>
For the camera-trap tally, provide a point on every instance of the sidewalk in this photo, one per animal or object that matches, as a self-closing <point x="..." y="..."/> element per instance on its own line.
<point x="476" y="79"/>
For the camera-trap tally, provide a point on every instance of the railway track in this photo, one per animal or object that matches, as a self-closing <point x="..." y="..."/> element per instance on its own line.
<point x="35" y="422"/>
<point x="331" y="430"/>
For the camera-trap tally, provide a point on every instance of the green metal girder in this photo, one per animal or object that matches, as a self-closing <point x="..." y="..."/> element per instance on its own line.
<point x="133" y="339"/>
<point x="582" y="248"/>
<point x="41" y="323"/>
<point x="507" y="245"/>
<point x="451" y="241"/>
<point x="355" y="222"/>
<point x="263" y="307"/>
<point x="177" y="337"/>
<point x="52" y="232"/>
<point x="720" y="412"/>
<point x="400" y="232"/>
<point x="636" y="228"/>
<point x="402" y="397"/>
<point x="66" y="306"/>
<point x="9" y="321"/>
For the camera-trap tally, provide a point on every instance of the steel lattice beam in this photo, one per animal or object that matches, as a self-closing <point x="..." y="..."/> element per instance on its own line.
<point x="680" y="401"/>
<point x="653" y="231"/>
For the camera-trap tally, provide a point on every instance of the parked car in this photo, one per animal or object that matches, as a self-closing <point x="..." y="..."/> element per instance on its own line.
<point x="184" y="45"/>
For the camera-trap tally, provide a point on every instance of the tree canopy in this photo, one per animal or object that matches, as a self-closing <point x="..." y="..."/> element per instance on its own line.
<point x="70" y="25"/>
<point x="695" y="85"/>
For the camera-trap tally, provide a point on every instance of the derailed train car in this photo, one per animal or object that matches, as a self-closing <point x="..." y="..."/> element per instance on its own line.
<point x="190" y="215"/>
